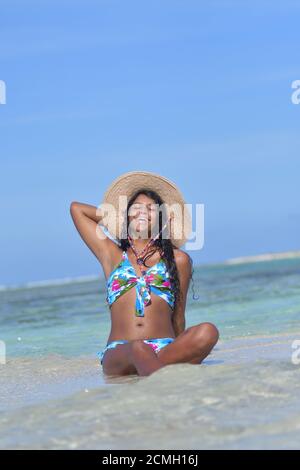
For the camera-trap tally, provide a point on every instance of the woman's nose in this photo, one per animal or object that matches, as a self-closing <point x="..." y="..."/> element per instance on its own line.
<point x="143" y="212"/>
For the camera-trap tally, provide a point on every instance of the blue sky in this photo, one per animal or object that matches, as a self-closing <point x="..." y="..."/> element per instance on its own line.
<point x="199" y="92"/>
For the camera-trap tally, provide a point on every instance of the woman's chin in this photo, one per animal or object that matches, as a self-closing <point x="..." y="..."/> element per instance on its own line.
<point x="142" y="232"/>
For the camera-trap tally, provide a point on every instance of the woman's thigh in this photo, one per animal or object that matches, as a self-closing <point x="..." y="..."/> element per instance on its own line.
<point x="117" y="361"/>
<point x="192" y="345"/>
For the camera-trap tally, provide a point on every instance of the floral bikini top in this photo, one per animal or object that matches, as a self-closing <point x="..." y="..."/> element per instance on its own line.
<point x="155" y="279"/>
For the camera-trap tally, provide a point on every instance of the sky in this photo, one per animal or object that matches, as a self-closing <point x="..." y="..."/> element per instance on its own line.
<point x="197" y="91"/>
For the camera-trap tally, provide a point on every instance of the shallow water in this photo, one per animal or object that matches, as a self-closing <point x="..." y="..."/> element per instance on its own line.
<point x="225" y="403"/>
<point x="244" y="395"/>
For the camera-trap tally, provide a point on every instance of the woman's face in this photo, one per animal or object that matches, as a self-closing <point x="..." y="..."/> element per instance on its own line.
<point x="143" y="215"/>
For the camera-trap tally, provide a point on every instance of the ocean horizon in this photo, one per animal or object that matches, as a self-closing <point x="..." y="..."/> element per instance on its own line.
<point x="93" y="277"/>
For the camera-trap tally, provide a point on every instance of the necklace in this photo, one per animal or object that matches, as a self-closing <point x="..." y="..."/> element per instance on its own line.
<point x="140" y="256"/>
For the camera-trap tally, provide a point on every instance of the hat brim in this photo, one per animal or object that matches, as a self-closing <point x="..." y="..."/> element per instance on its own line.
<point x="127" y="184"/>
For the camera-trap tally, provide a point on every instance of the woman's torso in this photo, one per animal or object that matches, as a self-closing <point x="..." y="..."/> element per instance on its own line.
<point x="156" y="321"/>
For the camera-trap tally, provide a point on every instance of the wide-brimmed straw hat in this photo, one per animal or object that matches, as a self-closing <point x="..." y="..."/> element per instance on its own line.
<point x="127" y="184"/>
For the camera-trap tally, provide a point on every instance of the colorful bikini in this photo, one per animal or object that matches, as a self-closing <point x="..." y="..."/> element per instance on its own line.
<point x="155" y="279"/>
<point x="156" y="344"/>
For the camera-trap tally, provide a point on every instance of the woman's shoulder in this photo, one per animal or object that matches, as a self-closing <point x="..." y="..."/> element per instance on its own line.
<point x="182" y="257"/>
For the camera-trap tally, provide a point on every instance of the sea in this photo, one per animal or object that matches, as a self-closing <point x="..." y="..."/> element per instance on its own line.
<point x="244" y="395"/>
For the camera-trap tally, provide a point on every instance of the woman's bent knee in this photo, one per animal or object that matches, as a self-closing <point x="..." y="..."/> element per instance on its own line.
<point x="207" y="332"/>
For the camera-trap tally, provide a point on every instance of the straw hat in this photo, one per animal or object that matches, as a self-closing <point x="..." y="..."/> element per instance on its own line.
<point x="127" y="184"/>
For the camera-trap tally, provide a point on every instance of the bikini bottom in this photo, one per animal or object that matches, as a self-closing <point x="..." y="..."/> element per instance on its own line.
<point x="156" y="343"/>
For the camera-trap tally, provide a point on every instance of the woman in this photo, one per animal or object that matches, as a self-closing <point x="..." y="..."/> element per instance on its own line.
<point x="147" y="275"/>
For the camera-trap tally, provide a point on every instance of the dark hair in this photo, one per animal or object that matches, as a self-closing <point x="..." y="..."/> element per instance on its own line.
<point x="163" y="243"/>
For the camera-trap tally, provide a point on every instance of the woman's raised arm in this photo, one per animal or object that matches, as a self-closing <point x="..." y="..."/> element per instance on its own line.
<point x="86" y="218"/>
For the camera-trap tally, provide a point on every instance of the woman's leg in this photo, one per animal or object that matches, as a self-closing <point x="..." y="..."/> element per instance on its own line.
<point x="124" y="360"/>
<point x="115" y="360"/>
<point x="192" y="345"/>
<point x="144" y="358"/>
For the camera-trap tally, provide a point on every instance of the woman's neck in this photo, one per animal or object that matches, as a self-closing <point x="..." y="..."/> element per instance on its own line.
<point x="140" y="243"/>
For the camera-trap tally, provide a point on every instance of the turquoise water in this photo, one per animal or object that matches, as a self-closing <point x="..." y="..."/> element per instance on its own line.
<point x="72" y="319"/>
<point x="244" y="395"/>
